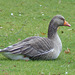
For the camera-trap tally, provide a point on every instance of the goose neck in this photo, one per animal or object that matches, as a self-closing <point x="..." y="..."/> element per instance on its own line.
<point x="52" y="31"/>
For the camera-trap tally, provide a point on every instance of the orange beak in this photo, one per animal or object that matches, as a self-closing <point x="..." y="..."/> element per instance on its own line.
<point x="66" y="24"/>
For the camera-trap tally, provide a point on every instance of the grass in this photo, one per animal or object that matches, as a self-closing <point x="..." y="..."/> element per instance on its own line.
<point x="34" y="19"/>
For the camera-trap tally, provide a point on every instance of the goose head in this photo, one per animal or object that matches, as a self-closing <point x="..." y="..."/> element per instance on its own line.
<point x="56" y="21"/>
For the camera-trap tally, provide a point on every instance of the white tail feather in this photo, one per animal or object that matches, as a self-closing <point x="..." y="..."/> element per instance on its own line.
<point x="0" y="50"/>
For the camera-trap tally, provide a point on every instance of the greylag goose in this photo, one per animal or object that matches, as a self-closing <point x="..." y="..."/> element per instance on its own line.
<point x="36" y="47"/>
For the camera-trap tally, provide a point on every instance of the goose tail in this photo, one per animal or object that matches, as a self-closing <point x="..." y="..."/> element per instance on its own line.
<point x="2" y="51"/>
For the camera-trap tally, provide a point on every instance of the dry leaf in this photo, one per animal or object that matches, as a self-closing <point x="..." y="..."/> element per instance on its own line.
<point x="3" y="70"/>
<point x="6" y="73"/>
<point x="1" y="10"/>
<point x="1" y="46"/>
<point x="43" y="33"/>
<point x="53" y="74"/>
<point x="41" y="73"/>
<point x="44" y="19"/>
<point x="19" y="39"/>
<point x="70" y="62"/>
<point x="14" y="65"/>
<point x="67" y="51"/>
<point x="58" y="28"/>
<point x="26" y="60"/>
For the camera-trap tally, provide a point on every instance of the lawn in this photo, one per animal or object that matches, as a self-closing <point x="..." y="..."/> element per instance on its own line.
<point x="20" y="19"/>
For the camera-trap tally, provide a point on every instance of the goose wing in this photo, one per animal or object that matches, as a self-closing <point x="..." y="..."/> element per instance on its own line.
<point x="31" y="47"/>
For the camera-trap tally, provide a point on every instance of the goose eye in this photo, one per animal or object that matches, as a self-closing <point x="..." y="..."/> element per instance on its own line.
<point x="62" y="19"/>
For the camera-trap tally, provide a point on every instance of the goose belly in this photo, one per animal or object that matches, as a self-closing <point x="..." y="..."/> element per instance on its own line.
<point x="15" y="56"/>
<point x="57" y="48"/>
<point x="53" y="54"/>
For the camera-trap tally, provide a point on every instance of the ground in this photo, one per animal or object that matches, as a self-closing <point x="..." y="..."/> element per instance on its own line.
<point x="20" y="19"/>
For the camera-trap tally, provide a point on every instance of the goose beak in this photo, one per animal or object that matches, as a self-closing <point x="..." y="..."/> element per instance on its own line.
<point x="66" y="24"/>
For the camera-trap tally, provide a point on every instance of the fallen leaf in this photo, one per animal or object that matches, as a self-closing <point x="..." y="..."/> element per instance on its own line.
<point x="0" y="10"/>
<point x="6" y="74"/>
<point x="26" y="60"/>
<point x="19" y="39"/>
<point x="70" y="62"/>
<point x="43" y="33"/>
<point x="24" y="56"/>
<point x="41" y="73"/>
<point x="59" y="74"/>
<point x="1" y="46"/>
<point x="53" y="74"/>
<point x="58" y="28"/>
<point x="14" y="65"/>
<point x="44" y="19"/>
<point x="67" y="51"/>
<point x="3" y="70"/>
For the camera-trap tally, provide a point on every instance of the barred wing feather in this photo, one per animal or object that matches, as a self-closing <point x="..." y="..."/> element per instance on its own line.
<point x="32" y="47"/>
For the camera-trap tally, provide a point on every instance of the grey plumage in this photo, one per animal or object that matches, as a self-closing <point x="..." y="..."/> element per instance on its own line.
<point x="38" y="47"/>
<point x="31" y="47"/>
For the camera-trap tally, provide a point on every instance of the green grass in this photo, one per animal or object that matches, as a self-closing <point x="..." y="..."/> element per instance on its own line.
<point x="34" y="23"/>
